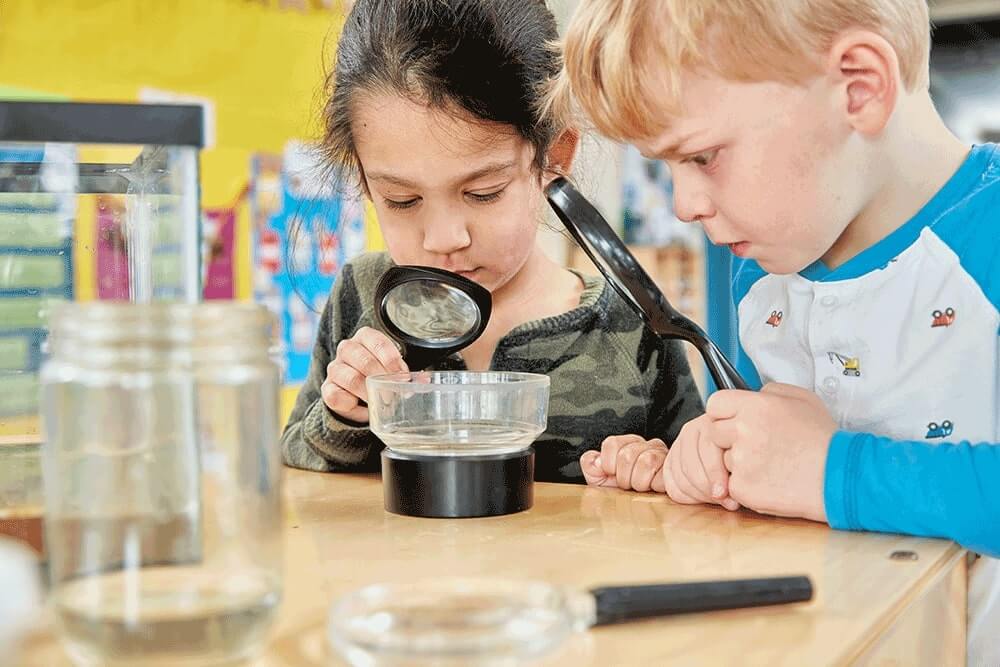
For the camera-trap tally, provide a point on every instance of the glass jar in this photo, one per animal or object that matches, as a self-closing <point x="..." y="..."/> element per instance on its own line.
<point x="162" y="472"/>
<point x="97" y="202"/>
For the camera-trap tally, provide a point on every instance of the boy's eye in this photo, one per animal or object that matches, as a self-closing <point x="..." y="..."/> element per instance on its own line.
<point x="485" y="197"/>
<point x="399" y="205"/>
<point x="703" y="159"/>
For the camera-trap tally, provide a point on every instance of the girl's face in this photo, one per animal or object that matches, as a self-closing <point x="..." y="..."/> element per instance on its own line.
<point x="451" y="193"/>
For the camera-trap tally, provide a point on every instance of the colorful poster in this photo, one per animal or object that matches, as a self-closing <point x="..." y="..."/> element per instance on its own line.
<point x="112" y="255"/>
<point x="304" y="231"/>
<point x="162" y="265"/>
<point x="218" y="252"/>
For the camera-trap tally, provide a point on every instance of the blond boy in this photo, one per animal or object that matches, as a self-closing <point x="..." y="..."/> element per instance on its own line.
<point x="801" y="134"/>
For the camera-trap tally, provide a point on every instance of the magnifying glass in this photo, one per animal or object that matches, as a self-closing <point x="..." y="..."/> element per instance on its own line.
<point x="430" y="312"/>
<point x="620" y="268"/>
<point x="456" y="621"/>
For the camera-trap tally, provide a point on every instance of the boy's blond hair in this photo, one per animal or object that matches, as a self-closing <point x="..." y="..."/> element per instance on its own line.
<point x="623" y="58"/>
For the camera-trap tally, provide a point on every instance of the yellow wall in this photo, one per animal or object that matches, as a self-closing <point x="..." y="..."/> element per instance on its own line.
<point x="262" y="67"/>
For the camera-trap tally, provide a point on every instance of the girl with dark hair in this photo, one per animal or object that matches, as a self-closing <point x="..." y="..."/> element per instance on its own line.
<point x="435" y="110"/>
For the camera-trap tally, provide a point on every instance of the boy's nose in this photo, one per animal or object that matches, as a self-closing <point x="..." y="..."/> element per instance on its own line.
<point x="692" y="205"/>
<point x="444" y="236"/>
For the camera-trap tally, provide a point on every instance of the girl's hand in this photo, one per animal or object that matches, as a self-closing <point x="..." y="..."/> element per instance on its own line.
<point x="626" y="462"/>
<point x="369" y="352"/>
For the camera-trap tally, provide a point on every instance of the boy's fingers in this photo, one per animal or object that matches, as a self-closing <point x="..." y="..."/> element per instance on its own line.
<point x="781" y="389"/>
<point x="681" y="480"/>
<point x="689" y="431"/>
<point x="724" y="433"/>
<point x="690" y="490"/>
<point x="728" y="459"/>
<point x="671" y="488"/>
<point x="730" y="504"/>
<point x="727" y="403"/>
<point x="715" y="469"/>
<point x="692" y="471"/>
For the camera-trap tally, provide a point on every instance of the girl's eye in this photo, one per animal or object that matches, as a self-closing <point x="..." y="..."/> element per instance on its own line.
<point x="399" y="205"/>
<point x="486" y="197"/>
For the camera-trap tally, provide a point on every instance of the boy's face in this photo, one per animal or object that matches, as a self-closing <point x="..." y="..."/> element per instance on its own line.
<point x="449" y="193"/>
<point x="772" y="170"/>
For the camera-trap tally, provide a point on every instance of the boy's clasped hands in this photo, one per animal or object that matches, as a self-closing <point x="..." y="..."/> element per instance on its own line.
<point x="765" y="451"/>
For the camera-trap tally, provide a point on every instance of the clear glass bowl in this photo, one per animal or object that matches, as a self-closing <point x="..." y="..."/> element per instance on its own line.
<point x="454" y="621"/>
<point x="458" y="413"/>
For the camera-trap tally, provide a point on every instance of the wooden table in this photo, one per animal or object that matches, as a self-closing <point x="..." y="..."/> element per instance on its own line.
<point x="869" y="608"/>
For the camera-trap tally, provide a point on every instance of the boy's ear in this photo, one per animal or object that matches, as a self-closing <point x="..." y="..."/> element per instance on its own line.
<point x="559" y="160"/>
<point x="866" y="68"/>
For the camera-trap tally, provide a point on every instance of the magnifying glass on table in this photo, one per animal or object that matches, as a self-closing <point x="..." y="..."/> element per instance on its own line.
<point x="497" y="621"/>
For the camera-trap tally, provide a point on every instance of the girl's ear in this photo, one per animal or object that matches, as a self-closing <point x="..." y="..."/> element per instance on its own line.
<point x="559" y="159"/>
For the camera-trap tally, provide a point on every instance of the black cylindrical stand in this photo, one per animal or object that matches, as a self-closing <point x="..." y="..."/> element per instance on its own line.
<point x="457" y="486"/>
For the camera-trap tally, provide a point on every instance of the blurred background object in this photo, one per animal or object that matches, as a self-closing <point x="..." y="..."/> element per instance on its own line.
<point x="21" y="601"/>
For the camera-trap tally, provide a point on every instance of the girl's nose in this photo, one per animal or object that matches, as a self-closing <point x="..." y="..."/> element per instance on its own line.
<point x="444" y="236"/>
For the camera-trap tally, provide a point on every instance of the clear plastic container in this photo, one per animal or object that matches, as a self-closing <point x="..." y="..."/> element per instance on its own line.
<point x="458" y="413"/>
<point x="162" y="481"/>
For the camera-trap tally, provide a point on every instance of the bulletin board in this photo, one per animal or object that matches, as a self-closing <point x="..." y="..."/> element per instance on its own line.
<point x="304" y="232"/>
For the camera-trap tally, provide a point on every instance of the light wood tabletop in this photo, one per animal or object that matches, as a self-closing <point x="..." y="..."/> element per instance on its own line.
<point x="870" y="606"/>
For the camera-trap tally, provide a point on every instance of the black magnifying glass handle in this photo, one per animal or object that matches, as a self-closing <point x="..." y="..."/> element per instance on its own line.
<point x="422" y="358"/>
<point x="625" y="274"/>
<point x="617" y="604"/>
<point x="723" y="373"/>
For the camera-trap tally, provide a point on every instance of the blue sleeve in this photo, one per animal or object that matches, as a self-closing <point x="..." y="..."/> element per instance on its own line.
<point x="972" y="231"/>
<point x="916" y="488"/>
